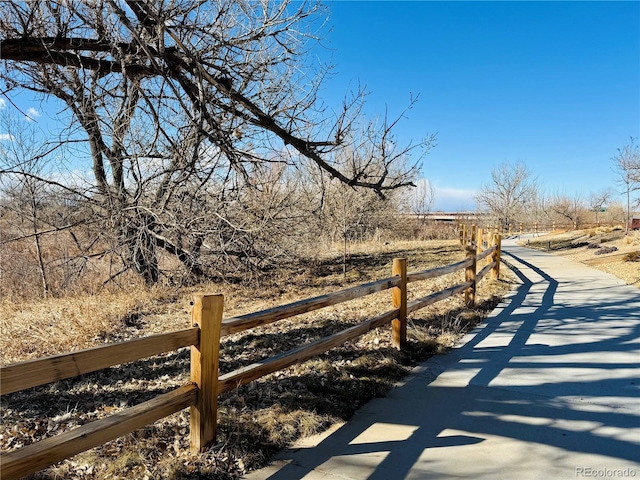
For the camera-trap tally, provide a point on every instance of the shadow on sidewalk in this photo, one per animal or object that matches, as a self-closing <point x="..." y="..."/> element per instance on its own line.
<point x="427" y="414"/>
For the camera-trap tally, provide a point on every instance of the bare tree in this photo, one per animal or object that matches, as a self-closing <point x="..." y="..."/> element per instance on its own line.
<point x="616" y="213"/>
<point x="22" y="195"/>
<point x="348" y="213"/>
<point x="36" y="211"/>
<point x="420" y="199"/>
<point x="510" y="191"/>
<point x="627" y="168"/>
<point x="24" y="198"/>
<point x="567" y="208"/>
<point x="179" y="103"/>
<point x="598" y="201"/>
<point x="537" y="211"/>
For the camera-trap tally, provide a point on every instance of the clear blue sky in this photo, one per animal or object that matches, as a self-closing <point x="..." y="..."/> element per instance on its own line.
<point x="553" y="84"/>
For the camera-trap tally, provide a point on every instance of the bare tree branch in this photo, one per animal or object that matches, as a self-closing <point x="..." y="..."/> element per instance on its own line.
<point x="180" y="105"/>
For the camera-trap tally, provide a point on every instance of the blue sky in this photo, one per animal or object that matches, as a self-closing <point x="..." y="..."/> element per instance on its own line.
<point x="553" y="84"/>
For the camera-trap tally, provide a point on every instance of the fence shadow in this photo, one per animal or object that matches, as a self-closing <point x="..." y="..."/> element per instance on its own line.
<point x="560" y="378"/>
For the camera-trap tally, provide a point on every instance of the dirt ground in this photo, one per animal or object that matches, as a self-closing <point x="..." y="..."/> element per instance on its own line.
<point x="266" y="415"/>
<point x="257" y="419"/>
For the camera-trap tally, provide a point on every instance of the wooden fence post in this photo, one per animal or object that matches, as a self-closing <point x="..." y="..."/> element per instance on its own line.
<point x="206" y="314"/>
<point x="491" y="238"/>
<point x="479" y="242"/>
<point x="470" y="273"/>
<point x="461" y="233"/>
<point x="399" y="299"/>
<point x="495" y="257"/>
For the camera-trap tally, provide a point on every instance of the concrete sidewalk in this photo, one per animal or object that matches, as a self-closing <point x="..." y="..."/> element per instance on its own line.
<point x="546" y="388"/>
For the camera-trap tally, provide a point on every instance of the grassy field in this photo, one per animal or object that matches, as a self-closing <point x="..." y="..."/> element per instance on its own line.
<point x="255" y="420"/>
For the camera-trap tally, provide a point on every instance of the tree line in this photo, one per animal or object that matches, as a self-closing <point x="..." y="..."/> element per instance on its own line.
<point x="194" y="145"/>
<point x="514" y="196"/>
<point x="193" y="131"/>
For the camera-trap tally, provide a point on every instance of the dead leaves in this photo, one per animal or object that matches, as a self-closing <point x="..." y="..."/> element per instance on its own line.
<point x="255" y="421"/>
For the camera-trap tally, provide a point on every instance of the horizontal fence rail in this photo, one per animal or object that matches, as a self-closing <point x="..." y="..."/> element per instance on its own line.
<point x="487" y="268"/>
<point x="438" y="272"/>
<point x="244" y="375"/>
<point x="23" y="375"/>
<point x="51" y="450"/>
<point x="486" y="253"/>
<point x="204" y="339"/>
<point x="264" y="317"/>
<point x="436" y="297"/>
<point x="519" y="228"/>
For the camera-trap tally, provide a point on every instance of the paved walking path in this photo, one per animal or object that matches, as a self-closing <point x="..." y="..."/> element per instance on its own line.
<point x="548" y="387"/>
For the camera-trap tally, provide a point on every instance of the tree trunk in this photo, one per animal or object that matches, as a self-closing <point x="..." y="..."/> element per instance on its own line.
<point x="142" y="251"/>
<point x="43" y="272"/>
<point x="34" y="224"/>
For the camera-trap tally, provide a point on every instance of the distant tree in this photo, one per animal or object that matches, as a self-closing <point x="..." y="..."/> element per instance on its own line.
<point x="178" y="103"/>
<point x="419" y="200"/>
<point x="511" y="190"/>
<point x="24" y="198"/>
<point x="37" y="212"/>
<point x="616" y="213"/>
<point x="568" y="209"/>
<point x="346" y="213"/>
<point x="627" y="168"/>
<point x="598" y="201"/>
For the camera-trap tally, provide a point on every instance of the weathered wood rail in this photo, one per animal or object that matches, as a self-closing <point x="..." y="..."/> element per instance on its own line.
<point x="204" y="339"/>
<point x="519" y="228"/>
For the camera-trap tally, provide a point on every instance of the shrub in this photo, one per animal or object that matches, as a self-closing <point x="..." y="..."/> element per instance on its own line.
<point x="632" y="256"/>
<point x="605" y="250"/>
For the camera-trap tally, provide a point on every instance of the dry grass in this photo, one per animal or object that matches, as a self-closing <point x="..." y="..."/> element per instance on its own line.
<point x="56" y="325"/>
<point x="255" y="420"/>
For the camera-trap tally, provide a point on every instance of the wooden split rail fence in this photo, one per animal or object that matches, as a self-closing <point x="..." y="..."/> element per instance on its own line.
<point x="203" y="337"/>
<point x="517" y="228"/>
